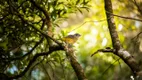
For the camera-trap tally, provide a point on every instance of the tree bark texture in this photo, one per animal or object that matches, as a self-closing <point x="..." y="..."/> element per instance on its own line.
<point x="119" y="50"/>
<point x="75" y="64"/>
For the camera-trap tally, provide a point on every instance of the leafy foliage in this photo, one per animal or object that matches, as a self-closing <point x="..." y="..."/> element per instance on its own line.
<point x="21" y="39"/>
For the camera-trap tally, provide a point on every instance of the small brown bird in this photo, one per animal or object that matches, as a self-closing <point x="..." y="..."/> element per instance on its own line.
<point x="71" y="39"/>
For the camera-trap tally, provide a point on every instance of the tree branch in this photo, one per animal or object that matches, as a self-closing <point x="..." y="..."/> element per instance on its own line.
<point x="53" y="48"/>
<point x="104" y="50"/>
<point x="38" y="30"/>
<point x="120" y="51"/>
<point x="75" y="64"/>
<point x="21" y="57"/>
<point x="46" y="15"/>
<point x="126" y="17"/>
<point x="36" y="44"/>
<point x="138" y="7"/>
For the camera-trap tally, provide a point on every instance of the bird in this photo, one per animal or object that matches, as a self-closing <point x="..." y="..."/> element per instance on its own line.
<point x="71" y="39"/>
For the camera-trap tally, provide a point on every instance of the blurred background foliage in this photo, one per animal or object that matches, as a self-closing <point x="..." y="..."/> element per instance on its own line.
<point x="87" y="17"/>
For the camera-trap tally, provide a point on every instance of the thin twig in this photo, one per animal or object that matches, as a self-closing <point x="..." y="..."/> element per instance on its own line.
<point x="62" y="65"/>
<point x="54" y="48"/>
<point x="126" y="17"/>
<point x="87" y="22"/>
<point x="43" y="66"/>
<point x="103" y="50"/>
<point x="138" y="7"/>
<point x="21" y="57"/>
<point x="110" y="66"/>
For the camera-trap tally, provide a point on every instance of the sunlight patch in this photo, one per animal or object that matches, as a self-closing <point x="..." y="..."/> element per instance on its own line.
<point x="120" y="26"/>
<point x="104" y="42"/>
